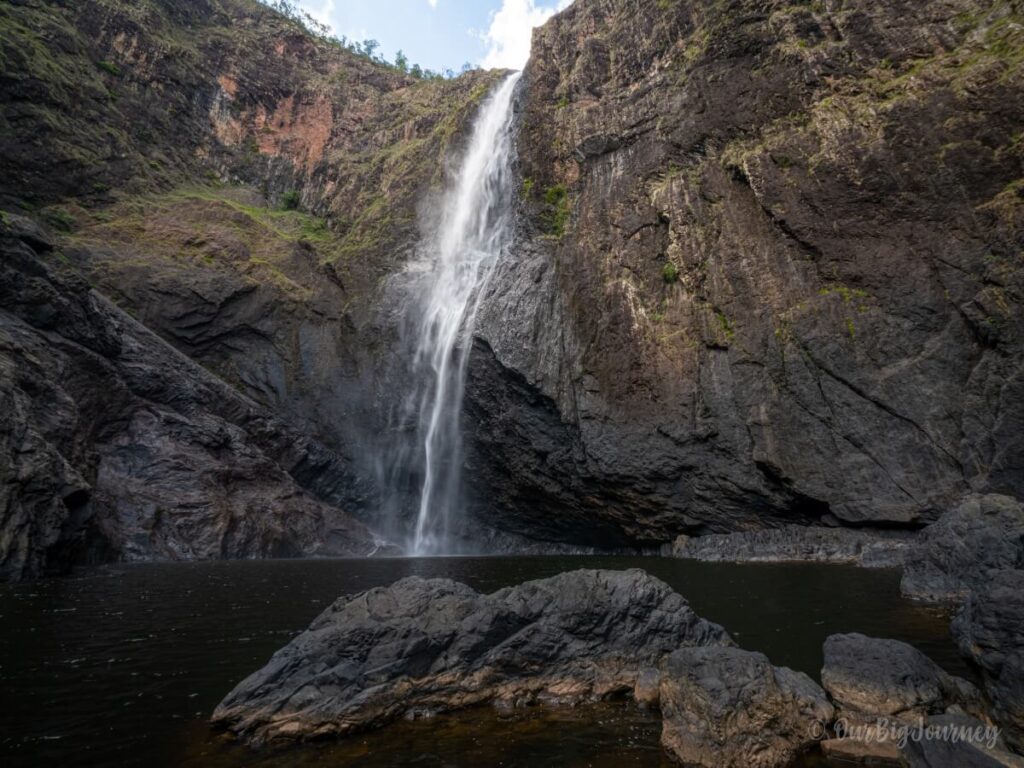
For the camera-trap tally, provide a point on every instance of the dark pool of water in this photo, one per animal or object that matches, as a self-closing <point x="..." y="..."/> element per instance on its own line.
<point x="122" y="665"/>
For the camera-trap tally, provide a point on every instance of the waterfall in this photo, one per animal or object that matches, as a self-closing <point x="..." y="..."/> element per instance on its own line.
<point x="471" y="231"/>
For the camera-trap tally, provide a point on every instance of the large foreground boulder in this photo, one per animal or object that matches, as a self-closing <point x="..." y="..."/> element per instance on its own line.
<point x="726" y="707"/>
<point x="990" y="631"/>
<point x="425" y="646"/>
<point x="956" y="554"/>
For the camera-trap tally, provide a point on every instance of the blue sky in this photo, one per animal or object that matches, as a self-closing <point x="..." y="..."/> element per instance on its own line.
<point x="439" y="34"/>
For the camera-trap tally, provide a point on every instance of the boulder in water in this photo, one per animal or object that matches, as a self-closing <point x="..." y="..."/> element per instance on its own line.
<point x="424" y="646"/>
<point x="952" y="556"/>
<point x="868" y="677"/>
<point x="730" y="708"/>
<point x="882" y="687"/>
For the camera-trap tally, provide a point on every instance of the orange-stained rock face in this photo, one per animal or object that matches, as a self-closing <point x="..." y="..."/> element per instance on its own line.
<point x="228" y="84"/>
<point x="295" y="128"/>
<point x="298" y="130"/>
<point x="227" y="128"/>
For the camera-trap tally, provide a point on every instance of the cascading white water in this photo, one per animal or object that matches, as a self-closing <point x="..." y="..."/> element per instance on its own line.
<point x="471" y="232"/>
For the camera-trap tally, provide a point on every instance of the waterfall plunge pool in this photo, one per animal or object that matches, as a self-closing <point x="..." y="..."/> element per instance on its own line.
<point x="121" y="665"/>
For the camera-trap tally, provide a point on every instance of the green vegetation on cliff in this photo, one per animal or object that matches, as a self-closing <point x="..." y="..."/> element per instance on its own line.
<point x="107" y="103"/>
<point x="555" y="214"/>
<point x="230" y="229"/>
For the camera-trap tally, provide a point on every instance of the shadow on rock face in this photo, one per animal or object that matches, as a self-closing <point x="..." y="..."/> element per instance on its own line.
<point x="426" y="646"/>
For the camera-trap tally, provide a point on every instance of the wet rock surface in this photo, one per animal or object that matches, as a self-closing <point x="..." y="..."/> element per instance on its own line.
<point x="730" y="708"/>
<point x="426" y="646"/>
<point x="958" y="553"/>
<point x="799" y="544"/>
<point x="990" y="631"/>
<point x="116" y="447"/>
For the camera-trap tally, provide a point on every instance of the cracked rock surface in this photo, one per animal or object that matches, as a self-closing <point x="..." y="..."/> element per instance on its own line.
<point x="783" y="283"/>
<point x="990" y="631"/>
<point x="113" y="446"/>
<point x="427" y="646"/>
<point x="730" y="708"/>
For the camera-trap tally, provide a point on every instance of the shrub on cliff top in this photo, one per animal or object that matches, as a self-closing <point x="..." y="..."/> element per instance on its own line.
<point x="367" y="49"/>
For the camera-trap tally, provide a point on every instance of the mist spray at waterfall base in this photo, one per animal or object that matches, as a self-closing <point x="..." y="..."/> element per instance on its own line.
<point x="471" y="231"/>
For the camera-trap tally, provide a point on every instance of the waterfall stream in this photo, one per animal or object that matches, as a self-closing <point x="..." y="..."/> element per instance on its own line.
<point x="471" y="231"/>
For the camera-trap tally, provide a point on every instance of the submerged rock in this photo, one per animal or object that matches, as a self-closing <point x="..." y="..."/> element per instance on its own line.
<point x="957" y="553"/>
<point x="800" y="544"/>
<point x="990" y="631"/>
<point x="725" y="707"/>
<point x="424" y="646"/>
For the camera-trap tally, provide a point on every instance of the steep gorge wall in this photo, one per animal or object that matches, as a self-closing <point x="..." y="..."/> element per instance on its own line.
<point x="115" y="112"/>
<point x="162" y="141"/>
<point x="116" y="447"/>
<point x="770" y="269"/>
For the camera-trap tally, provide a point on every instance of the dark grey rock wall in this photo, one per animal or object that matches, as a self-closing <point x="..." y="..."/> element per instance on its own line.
<point x="115" y="446"/>
<point x="785" y="281"/>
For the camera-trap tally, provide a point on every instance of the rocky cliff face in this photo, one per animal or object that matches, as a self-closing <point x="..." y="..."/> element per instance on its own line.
<point x="770" y="269"/>
<point x="195" y="122"/>
<point x="116" y="446"/>
<point x="241" y="188"/>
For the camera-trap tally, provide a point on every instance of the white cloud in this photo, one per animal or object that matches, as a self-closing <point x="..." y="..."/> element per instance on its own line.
<point x="322" y="12"/>
<point x="432" y="3"/>
<point x="508" y="37"/>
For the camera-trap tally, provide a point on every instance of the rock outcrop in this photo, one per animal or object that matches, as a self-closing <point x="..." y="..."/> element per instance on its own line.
<point x="881" y="688"/>
<point x="768" y="270"/>
<point x="113" y="446"/>
<point x="730" y="708"/>
<point x="425" y="646"/>
<point x="974" y="556"/>
<point x="870" y="678"/>
<point x="798" y="543"/>
<point x="959" y="552"/>
<point x="990" y="631"/>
